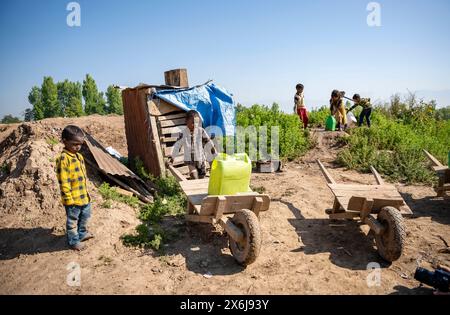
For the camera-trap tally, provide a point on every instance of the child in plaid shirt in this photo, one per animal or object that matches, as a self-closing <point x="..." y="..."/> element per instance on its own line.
<point x="71" y="173"/>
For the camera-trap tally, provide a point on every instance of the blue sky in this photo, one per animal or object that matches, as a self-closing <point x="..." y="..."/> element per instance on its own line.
<point x="256" y="49"/>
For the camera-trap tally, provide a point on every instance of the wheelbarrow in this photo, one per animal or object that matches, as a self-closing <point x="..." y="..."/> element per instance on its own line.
<point x="443" y="173"/>
<point x="238" y="215"/>
<point x="380" y="206"/>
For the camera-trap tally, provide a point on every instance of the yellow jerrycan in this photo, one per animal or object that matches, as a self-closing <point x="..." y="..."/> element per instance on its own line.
<point x="230" y="175"/>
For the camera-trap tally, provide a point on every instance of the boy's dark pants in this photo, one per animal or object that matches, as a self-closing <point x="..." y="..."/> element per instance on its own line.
<point x="77" y="218"/>
<point x="366" y="113"/>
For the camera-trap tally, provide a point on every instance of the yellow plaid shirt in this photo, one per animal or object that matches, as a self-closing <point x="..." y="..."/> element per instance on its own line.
<point x="71" y="174"/>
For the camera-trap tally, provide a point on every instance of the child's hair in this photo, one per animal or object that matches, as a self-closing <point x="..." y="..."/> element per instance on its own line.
<point x="299" y="86"/>
<point x="336" y="93"/>
<point x="70" y="132"/>
<point x="356" y="97"/>
<point x="191" y="114"/>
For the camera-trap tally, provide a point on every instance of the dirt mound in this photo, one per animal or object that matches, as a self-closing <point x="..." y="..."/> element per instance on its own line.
<point x="327" y="146"/>
<point x="29" y="192"/>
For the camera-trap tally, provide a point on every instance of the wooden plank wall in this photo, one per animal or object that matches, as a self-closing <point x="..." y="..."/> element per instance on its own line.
<point x="169" y="128"/>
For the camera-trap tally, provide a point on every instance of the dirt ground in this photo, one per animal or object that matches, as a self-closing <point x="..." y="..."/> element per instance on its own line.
<point x="303" y="252"/>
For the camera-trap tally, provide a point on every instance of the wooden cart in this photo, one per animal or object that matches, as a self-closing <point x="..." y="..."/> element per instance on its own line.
<point x="443" y="172"/>
<point x="238" y="215"/>
<point x="363" y="202"/>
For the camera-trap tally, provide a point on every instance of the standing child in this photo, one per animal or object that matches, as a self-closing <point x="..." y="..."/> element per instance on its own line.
<point x="300" y="108"/>
<point x="71" y="174"/>
<point x="366" y="109"/>
<point x="337" y="108"/>
<point x="194" y="140"/>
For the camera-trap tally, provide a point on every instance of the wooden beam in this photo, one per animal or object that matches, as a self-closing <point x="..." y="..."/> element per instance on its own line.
<point x="257" y="205"/>
<point x="157" y="143"/>
<point x="220" y="207"/>
<point x="435" y="161"/>
<point x="177" y="174"/>
<point x="172" y="116"/>
<point x="374" y="225"/>
<point x="173" y="122"/>
<point x="233" y="231"/>
<point x="199" y="219"/>
<point x="377" y="176"/>
<point x="327" y="175"/>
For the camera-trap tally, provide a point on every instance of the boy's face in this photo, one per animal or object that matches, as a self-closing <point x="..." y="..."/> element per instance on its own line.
<point x="190" y="123"/>
<point x="356" y="100"/>
<point x="299" y="90"/>
<point x="73" y="145"/>
<point x="335" y="98"/>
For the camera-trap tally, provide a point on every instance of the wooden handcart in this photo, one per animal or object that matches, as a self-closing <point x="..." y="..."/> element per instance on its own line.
<point x="443" y="172"/>
<point x="238" y="215"/>
<point x="363" y="202"/>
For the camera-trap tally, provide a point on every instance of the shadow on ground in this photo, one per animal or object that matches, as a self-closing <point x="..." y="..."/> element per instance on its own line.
<point x="204" y="249"/>
<point x="21" y="241"/>
<point x="348" y="245"/>
<point x="436" y="208"/>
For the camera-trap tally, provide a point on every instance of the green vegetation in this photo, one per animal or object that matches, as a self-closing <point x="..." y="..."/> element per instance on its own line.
<point x="65" y="99"/>
<point x="169" y="201"/>
<point x="110" y="194"/>
<point x="294" y="142"/>
<point x="9" y="119"/>
<point x="401" y="130"/>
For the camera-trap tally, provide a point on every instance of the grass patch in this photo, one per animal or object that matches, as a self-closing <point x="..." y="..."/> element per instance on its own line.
<point x="110" y="194"/>
<point x="169" y="201"/>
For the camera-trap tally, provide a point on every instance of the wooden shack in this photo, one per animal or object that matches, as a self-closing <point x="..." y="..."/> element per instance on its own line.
<point x="152" y="125"/>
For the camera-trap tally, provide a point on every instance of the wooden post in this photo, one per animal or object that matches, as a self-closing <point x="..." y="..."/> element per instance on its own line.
<point x="378" y="177"/>
<point x="327" y="175"/>
<point x="177" y="77"/>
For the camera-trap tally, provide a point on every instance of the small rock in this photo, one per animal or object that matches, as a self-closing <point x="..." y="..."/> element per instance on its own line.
<point x="195" y="249"/>
<point x="208" y="275"/>
<point x="404" y="276"/>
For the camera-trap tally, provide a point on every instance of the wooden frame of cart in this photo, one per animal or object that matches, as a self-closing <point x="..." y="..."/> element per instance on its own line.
<point x="238" y="215"/>
<point x="379" y="206"/>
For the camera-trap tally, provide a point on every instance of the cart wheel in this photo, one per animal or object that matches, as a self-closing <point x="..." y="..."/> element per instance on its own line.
<point x="247" y="251"/>
<point x="391" y="242"/>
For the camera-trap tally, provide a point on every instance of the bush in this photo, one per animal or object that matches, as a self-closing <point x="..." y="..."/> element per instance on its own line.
<point x="110" y="194"/>
<point x="395" y="143"/>
<point x="293" y="141"/>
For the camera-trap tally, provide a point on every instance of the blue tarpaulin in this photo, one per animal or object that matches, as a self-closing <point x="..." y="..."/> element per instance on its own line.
<point x="214" y="104"/>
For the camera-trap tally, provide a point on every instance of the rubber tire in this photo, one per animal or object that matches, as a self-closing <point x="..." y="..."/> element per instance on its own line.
<point x="391" y="242"/>
<point x="248" y="223"/>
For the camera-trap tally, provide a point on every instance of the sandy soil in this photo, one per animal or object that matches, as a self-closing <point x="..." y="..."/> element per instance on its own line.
<point x="303" y="252"/>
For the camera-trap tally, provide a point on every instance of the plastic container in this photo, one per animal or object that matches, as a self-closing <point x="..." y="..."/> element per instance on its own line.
<point x="230" y="175"/>
<point x="330" y="124"/>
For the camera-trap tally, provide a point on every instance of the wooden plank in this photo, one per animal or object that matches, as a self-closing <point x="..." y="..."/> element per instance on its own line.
<point x="199" y="219"/>
<point x="168" y="151"/>
<point x="221" y="204"/>
<point x="344" y="215"/>
<point x="177" y="174"/>
<point x="155" y="139"/>
<point x="158" y="107"/>
<point x="183" y="170"/>
<point x="257" y="205"/>
<point x="173" y="131"/>
<point x="173" y="122"/>
<point x="377" y="176"/>
<point x="435" y="161"/>
<point x="232" y="230"/>
<point x="169" y="139"/>
<point x="172" y="116"/>
<point x="234" y="203"/>
<point x="356" y="187"/>
<point x="327" y="175"/>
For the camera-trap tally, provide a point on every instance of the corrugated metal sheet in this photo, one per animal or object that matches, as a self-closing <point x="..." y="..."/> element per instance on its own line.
<point x="105" y="161"/>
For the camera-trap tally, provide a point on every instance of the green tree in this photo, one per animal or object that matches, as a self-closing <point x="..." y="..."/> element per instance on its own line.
<point x="70" y="98"/>
<point x="35" y="99"/>
<point x="50" y="102"/>
<point x="93" y="100"/>
<point x="10" y="119"/>
<point x="114" y="101"/>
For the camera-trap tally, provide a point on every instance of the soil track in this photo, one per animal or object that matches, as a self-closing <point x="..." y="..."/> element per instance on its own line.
<point x="302" y="253"/>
